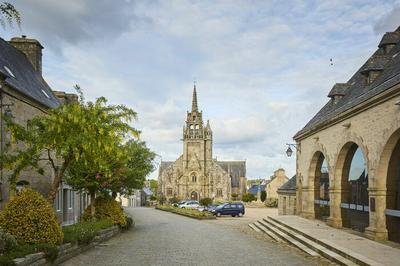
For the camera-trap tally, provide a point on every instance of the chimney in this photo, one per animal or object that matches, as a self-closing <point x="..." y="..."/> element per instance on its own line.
<point x="31" y="48"/>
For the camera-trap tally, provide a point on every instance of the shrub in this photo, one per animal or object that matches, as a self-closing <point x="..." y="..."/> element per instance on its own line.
<point x="263" y="196"/>
<point x="272" y="202"/>
<point x="248" y="197"/>
<point x="106" y="208"/>
<point x="205" y="201"/>
<point x="6" y="261"/>
<point x="7" y="242"/>
<point x="129" y="223"/>
<point x="161" y="199"/>
<point x="30" y="218"/>
<point x="84" y="232"/>
<point x="152" y="197"/>
<point x="234" y="196"/>
<point x="173" y="200"/>
<point x="20" y="251"/>
<point x="50" y="251"/>
<point x="187" y="212"/>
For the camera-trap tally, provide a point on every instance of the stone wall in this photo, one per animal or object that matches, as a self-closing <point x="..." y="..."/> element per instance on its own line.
<point x="373" y="126"/>
<point x="278" y="179"/>
<point x="286" y="203"/>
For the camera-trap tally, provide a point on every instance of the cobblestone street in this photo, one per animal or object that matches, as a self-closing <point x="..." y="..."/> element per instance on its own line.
<point x="161" y="238"/>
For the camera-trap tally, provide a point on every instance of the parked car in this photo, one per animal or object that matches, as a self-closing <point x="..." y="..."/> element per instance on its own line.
<point x="211" y="207"/>
<point x="179" y="203"/>
<point x="232" y="208"/>
<point x="191" y="204"/>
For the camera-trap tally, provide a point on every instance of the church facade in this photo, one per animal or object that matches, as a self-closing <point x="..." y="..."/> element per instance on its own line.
<point x="195" y="174"/>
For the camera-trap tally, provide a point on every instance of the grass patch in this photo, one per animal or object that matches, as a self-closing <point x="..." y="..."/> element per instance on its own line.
<point x="186" y="212"/>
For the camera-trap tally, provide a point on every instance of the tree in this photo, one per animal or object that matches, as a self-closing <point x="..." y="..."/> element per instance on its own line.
<point x="205" y="201"/>
<point x="248" y="197"/>
<point x="8" y="13"/>
<point x="130" y="172"/>
<point x="80" y="137"/>
<point x="153" y="185"/>
<point x="263" y="195"/>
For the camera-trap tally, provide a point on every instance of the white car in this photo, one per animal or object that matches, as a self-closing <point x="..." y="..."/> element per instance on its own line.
<point x="191" y="204"/>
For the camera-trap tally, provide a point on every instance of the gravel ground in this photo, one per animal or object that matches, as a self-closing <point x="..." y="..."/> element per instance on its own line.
<point x="162" y="238"/>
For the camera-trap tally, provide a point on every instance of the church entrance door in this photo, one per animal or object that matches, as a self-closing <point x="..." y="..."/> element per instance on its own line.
<point x="194" y="196"/>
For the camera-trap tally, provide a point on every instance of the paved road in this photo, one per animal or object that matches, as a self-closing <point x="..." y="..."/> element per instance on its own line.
<point x="162" y="238"/>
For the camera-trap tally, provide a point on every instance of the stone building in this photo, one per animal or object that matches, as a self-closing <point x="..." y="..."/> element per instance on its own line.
<point x="277" y="180"/>
<point x="287" y="197"/>
<point x="355" y="137"/>
<point x="195" y="174"/>
<point x="25" y="94"/>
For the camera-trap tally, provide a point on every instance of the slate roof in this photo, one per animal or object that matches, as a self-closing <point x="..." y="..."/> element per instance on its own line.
<point x="164" y="165"/>
<point x="23" y="77"/>
<point x="290" y="185"/>
<point x="254" y="189"/>
<point x="358" y="91"/>
<point x="235" y="169"/>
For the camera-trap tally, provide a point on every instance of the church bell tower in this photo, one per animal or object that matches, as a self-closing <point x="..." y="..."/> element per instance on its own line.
<point x="197" y="139"/>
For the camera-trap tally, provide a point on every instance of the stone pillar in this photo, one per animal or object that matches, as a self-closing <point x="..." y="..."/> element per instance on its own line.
<point x="335" y="217"/>
<point x="307" y="203"/>
<point x="377" y="218"/>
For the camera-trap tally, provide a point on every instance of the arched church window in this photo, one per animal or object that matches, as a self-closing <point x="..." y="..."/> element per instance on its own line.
<point x="194" y="178"/>
<point x="191" y="126"/>
<point x="197" y="126"/>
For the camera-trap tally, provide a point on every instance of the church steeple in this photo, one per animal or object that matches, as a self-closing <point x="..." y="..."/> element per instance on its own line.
<point x="194" y="100"/>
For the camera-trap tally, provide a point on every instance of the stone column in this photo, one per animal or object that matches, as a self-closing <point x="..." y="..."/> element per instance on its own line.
<point x="377" y="218"/>
<point x="307" y="203"/>
<point x="335" y="217"/>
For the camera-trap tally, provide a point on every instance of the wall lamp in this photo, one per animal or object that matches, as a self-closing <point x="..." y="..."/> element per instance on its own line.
<point x="289" y="151"/>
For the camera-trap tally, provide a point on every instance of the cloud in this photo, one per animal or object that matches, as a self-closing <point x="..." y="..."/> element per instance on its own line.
<point x="388" y="22"/>
<point x="77" y="21"/>
<point x="262" y="67"/>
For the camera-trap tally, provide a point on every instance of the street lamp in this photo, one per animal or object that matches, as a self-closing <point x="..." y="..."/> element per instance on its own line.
<point x="289" y="151"/>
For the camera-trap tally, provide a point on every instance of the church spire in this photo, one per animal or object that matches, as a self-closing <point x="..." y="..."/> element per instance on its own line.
<point x="194" y="99"/>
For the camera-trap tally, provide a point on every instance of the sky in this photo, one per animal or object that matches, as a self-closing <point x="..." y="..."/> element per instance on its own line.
<point x="262" y="68"/>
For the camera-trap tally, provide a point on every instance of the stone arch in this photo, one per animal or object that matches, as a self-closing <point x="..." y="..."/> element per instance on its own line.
<point x="353" y="215"/>
<point x="342" y="152"/>
<point x="194" y="195"/>
<point x="387" y="188"/>
<point x="318" y="185"/>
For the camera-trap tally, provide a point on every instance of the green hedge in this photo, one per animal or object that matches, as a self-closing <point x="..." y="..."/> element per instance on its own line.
<point x="84" y="232"/>
<point x="19" y="251"/>
<point x="186" y="212"/>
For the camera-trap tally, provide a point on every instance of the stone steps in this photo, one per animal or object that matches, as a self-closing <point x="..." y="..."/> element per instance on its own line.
<point x="280" y="232"/>
<point x="347" y="253"/>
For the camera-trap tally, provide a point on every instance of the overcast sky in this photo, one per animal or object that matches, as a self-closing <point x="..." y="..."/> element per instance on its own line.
<point x="262" y="67"/>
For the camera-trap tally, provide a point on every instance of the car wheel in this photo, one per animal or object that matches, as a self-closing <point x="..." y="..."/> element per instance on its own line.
<point x="240" y="214"/>
<point x="218" y="214"/>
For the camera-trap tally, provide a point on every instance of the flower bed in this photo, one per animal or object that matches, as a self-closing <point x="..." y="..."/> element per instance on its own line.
<point x="187" y="212"/>
<point x="77" y="238"/>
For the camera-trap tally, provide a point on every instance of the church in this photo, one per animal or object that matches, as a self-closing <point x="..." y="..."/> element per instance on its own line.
<point x="196" y="174"/>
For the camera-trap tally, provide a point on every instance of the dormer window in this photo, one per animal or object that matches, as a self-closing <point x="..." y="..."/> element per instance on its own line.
<point x="338" y="91"/>
<point x="389" y="41"/>
<point x="373" y="68"/>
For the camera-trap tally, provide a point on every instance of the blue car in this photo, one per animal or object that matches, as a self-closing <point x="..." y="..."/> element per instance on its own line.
<point x="232" y="208"/>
